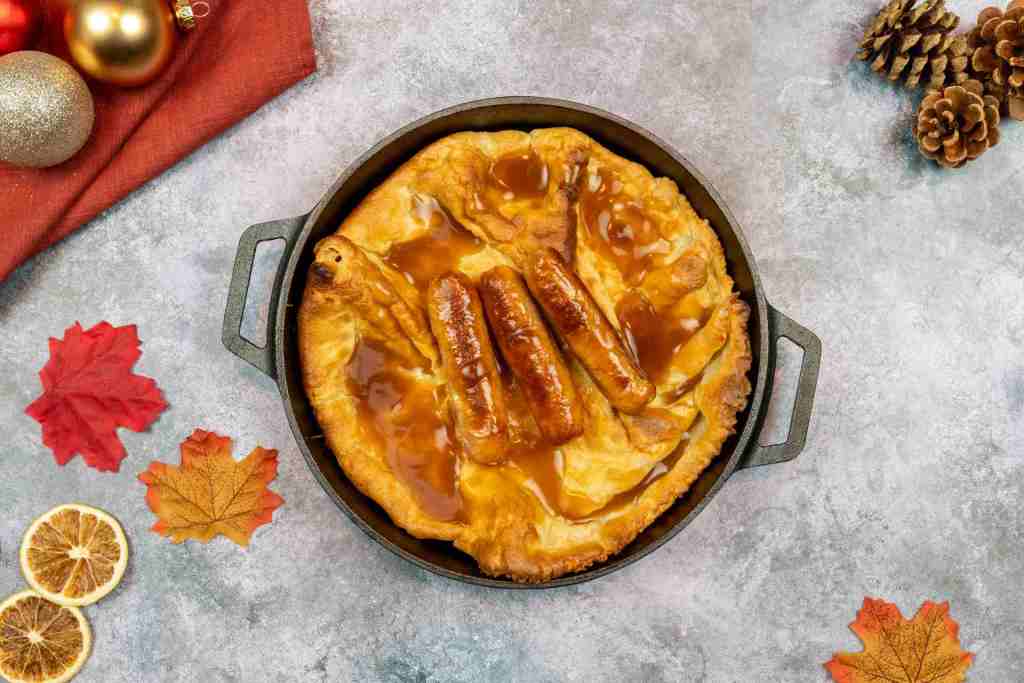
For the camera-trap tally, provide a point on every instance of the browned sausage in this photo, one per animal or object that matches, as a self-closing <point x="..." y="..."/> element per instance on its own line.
<point x="474" y="386"/>
<point x="576" y="317"/>
<point x="531" y="354"/>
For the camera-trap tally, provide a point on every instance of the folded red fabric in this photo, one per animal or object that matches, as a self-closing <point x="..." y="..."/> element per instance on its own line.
<point x="242" y="55"/>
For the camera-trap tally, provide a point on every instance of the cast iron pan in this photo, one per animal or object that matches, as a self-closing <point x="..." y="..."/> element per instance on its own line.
<point x="280" y="357"/>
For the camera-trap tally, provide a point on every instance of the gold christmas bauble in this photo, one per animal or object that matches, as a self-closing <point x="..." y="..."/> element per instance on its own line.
<point x="46" y="110"/>
<point x="125" y="42"/>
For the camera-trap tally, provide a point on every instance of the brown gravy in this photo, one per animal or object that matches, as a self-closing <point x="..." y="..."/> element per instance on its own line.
<point x="538" y="461"/>
<point x="654" y="337"/>
<point x="403" y="415"/>
<point x="530" y="453"/>
<point x="422" y="259"/>
<point x="619" y="227"/>
<point x="519" y="176"/>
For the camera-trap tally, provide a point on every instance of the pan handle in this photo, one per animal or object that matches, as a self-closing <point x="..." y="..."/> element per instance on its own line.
<point x="780" y="325"/>
<point x="262" y="358"/>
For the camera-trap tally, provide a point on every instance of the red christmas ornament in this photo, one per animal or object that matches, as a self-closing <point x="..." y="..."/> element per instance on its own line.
<point x="19" y="22"/>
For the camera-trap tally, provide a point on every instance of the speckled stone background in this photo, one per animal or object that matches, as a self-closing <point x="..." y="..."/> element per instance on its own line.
<point x="911" y="483"/>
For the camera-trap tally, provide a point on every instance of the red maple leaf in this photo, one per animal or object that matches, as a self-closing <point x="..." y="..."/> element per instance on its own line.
<point x="89" y="391"/>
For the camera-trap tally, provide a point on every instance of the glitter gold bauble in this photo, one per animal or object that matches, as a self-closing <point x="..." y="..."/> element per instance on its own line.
<point x="46" y="110"/>
<point x="125" y="42"/>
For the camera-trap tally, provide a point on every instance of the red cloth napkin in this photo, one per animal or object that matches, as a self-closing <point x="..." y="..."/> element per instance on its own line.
<point x="242" y="55"/>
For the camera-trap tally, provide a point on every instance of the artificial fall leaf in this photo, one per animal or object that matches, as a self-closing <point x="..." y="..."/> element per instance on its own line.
<point x="89" y="390"/>
<point x="211" y="493"/>
<point x="925" y="649"/>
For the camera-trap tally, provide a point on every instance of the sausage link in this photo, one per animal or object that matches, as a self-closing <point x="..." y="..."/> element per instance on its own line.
<point x="531" y="354"/>
<point x="475" y="396"/>
<point x="579" y="321"/>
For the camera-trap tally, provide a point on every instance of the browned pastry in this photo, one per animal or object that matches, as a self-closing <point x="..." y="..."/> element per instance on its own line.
<point x="653" y="272"/>
<point x="474" y="387"/>
<point x="532" y="356"/>
<point x="579" y="321"/>
<point x="666" y="286"/>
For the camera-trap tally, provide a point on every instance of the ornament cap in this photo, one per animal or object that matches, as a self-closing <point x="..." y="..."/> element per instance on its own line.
<point x="184" y="15"/>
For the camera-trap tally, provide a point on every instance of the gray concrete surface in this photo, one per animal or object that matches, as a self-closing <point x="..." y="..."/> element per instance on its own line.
<point x="909" y="489"/>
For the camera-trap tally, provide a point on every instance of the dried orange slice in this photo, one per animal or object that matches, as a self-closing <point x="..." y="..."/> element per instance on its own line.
<point x="41" y="641"/>
<point x="74" y="555"/>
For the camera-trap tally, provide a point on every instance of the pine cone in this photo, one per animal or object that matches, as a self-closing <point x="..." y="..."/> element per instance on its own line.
<point x="957" y="124"/>
<point x="916" y="43"/>
<point x="998" y="57"/>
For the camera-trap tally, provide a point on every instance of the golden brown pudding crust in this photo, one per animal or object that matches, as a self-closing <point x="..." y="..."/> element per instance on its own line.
<point x="389" y="382"/>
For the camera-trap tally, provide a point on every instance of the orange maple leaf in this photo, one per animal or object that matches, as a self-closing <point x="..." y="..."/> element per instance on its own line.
<point x="211" y="493"/>
<point x="925" y="649"/>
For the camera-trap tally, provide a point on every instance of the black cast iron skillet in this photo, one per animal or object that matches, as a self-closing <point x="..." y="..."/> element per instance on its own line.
<point x="280" y="357"/>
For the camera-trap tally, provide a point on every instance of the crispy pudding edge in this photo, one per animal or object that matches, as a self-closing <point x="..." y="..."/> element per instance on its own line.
<point x="456" y="445"/>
